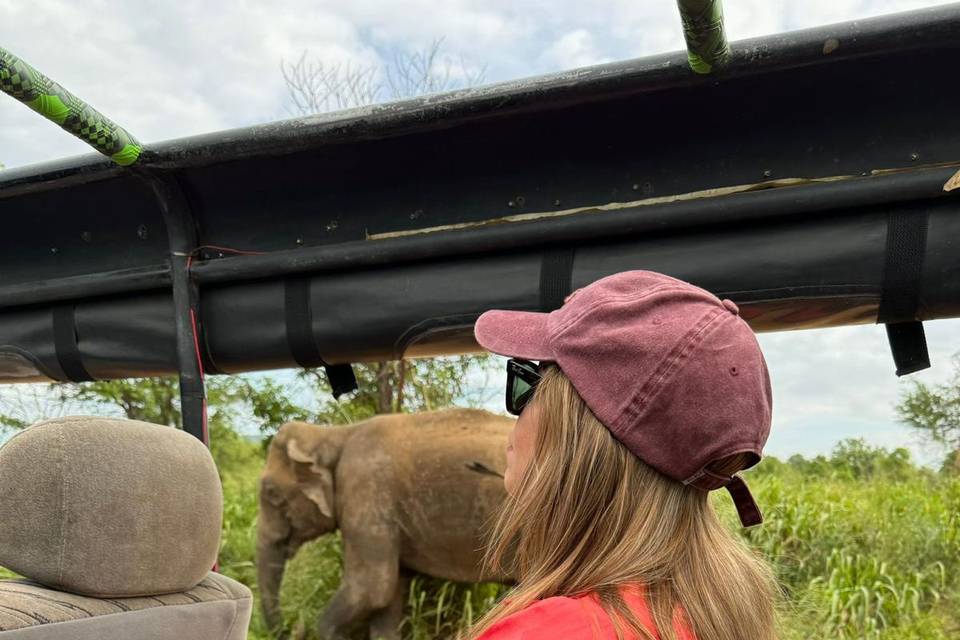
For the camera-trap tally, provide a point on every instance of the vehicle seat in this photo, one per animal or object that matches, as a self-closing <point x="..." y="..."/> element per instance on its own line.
<point x="114" y="525"/>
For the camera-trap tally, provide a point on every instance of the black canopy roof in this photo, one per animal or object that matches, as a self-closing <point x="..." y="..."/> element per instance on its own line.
<point x="805" y="181"/>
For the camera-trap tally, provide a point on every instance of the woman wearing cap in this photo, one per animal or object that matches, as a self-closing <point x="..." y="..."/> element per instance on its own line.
<point x="649" y="393"/>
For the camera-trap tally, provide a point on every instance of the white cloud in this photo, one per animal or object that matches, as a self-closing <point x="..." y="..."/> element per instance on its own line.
<point x="573" y="49"/>
<point x="165" y="70"/>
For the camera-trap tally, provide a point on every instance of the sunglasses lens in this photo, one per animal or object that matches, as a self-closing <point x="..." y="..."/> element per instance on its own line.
<point x="521" y="392"/>
<point x="522" y="378"/>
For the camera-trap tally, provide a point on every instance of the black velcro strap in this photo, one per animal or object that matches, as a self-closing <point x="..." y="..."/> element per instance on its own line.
<point x="908" y="343"/>
<point x="65" y="344"/>
<point x="299" y="318"/>
<point x="556" y="274"/>
<point x="900" y="289"/>
<point x="206" y="355"/>
<point x="303" y="347"/>
<point x="341" y="378"/>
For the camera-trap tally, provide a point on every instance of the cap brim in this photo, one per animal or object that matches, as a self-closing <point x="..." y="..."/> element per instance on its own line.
<point x="516" y="334"/>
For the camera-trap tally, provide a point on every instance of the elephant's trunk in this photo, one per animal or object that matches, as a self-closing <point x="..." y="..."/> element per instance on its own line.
<point x="273" y="532"/>
<point x="271" y="558"/>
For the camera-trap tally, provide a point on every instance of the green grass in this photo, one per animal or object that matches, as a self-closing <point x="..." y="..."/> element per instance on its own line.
<point x="870" y="557"/>
<point x="865" y="546"/>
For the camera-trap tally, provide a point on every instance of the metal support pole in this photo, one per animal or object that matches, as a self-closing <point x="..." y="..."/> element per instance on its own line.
<point x="21" y="81"/>
<point x="182" y="235"/>
<point x="46" y="97"/>
<point x="707" y="47"/>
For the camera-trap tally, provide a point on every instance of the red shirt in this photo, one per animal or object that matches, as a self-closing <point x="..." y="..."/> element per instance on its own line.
<point x="579" y="618"/>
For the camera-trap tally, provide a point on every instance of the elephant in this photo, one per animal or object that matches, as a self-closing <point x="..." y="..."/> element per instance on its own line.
<point x="408" y="492"/>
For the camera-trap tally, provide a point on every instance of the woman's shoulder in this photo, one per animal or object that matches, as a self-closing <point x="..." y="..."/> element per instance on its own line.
<point x="557" y="617"/>
<point x="572" y="618"/>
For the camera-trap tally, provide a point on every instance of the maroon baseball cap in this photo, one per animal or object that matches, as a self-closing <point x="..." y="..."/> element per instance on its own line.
<point x="671" y="370"/>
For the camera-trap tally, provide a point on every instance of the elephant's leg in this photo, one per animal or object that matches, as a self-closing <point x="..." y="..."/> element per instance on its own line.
<point x="385" y="623"/>
<point x="371" y="568"/>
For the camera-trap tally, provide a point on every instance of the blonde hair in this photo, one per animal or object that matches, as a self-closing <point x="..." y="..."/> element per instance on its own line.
<point x="589" y="516"/>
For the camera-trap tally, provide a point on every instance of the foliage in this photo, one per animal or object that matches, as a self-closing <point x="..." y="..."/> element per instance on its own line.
<point x="151" y="400"/>
<point x="951" y="463"/>
<point x="397" y="386"/>
<point x="866" y="598"/>
<point x="157" y="400"/>
<point x="23" y="404"/>
<point x="852" y="459"/>
<point x="266" y="402"/>
<point x="934" y="411"/>
<point x="861" y="554"/>
<point x="441" y="609"/>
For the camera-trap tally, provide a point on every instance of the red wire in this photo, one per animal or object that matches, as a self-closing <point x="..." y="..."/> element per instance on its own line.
<point x="196" y="342"/>
<point x="229" y="250"/>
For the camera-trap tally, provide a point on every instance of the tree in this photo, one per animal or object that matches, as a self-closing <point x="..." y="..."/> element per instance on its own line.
<point x="401" y="386"/>
<point x="157" y="400"/>
<point x="23" y="404"/>
<point x="854" y="458"/>
<point x="153" y="400"/>
<point x="263" y="401"/>
<point x="316" y="86"/>
<point x="934" y="411"/>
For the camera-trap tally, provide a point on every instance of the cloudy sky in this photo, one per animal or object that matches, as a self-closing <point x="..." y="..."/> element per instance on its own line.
<point x="173" y="69"/>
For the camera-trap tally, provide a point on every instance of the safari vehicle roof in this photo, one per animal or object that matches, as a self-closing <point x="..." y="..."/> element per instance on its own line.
<point x="805" y="181"/>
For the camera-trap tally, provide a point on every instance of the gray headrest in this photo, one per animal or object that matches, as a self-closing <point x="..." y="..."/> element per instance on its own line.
<point x="109" y="507"/>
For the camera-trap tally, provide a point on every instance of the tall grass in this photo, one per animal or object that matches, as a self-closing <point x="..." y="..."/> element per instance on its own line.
<point x="875" y="556"/>
<point x="865" y="546"/>
<point x="440" y="609"/>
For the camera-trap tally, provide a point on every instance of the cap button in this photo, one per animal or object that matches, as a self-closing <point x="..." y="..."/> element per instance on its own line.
<point x="728" y="303"/>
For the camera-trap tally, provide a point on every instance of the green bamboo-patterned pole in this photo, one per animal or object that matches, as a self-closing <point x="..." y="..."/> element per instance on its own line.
<point x="49" y="99"/>
<point x="707" y="47"/>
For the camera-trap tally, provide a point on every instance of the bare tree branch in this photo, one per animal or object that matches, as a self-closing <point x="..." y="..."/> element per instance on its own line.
<point x="316" y="86"/>
<point x="23" y="405"/>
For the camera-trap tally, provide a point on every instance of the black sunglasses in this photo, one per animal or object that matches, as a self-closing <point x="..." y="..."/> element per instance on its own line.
<point x="522" y="379"/>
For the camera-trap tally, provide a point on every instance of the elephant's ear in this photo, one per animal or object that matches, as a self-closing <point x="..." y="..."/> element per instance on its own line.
<point x="295" y="453"/>
<point x="318" y="486"/>
<point x="320" y="490"/>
